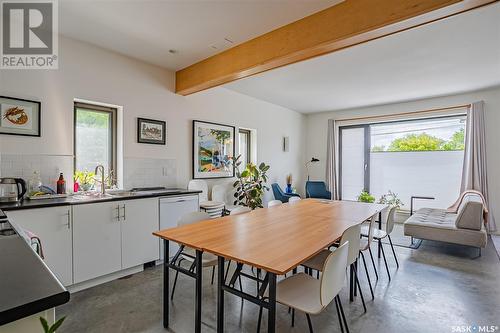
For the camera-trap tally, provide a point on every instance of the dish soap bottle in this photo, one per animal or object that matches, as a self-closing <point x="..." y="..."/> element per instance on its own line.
<point x="61" y="184"/>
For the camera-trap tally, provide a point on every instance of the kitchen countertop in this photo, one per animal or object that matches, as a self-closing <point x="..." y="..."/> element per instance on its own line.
<point x="70" y="200"/>
<point x="27" y="286"/>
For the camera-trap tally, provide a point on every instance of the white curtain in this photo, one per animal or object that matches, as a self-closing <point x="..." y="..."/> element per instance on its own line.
<point x="331" y="162"/>
<point x="474" y="174"/>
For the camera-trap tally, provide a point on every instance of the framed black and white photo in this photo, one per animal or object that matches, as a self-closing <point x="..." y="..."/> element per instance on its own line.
<point x="151" y="131"/>
<point x="213" y="148"/>
<point x="19" y="116"/>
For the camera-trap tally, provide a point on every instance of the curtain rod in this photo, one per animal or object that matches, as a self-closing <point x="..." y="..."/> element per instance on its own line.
<point x="408" y="113"/>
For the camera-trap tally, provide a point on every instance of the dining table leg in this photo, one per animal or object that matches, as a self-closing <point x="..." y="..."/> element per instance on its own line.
<point x="165" y="282"/>
<point x="199" y="268"/>
<point x="220" y="295"/>
<point x="271" y="322"/>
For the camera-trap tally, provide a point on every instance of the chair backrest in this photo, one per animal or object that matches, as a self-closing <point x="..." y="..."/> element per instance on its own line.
<point x="371" y="227"/>
<point x="240" y="210"/>
<point x="274" y="203"/>
<point x="391" y="217"/>
<point x="192" y="217"/>
<point x="352" y="235"/>
<point x="199" y="185"/>
<point x="277" y="191"/>
<point x="317" y="189"/>
<point x="333" y="277"/>
<point x="294" y="199"/>
<point x="219" y="193"/>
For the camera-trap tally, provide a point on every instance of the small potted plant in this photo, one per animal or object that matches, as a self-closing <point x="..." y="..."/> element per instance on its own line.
<point x="84" y="179"/>
<point x="364" y="196"/>
<point x="391" y="199"/>
<point x="289" y="188"/>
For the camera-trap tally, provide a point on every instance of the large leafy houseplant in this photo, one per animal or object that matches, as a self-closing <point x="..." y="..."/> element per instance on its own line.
<point x="250" y="184"/>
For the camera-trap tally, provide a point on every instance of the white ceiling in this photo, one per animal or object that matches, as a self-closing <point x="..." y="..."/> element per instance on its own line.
<point x="148" y="29"/>
<point x="455" y="55"/>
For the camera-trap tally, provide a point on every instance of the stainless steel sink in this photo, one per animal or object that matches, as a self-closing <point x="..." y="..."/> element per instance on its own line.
<point x="121" y="193"/>
<point x="91" y="196"/>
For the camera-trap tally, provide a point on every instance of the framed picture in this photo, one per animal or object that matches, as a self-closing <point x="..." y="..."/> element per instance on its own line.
<point x="151" y="131"/>
<point x="213" y="148"/>
<point x="19" y="116"/>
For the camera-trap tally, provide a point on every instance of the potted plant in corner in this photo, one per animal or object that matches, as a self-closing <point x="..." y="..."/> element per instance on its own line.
<point x="250" y="184"/>
<point x="391" y="199"/>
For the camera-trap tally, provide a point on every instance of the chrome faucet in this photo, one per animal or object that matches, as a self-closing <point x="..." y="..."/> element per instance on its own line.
<point x="103" y="181"/>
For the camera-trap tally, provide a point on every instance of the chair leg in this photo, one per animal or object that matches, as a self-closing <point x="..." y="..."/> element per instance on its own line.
<point x="260" y="319"/>
<point x="355" y="266"/>
<point x="393" y="252"/>
<point x="338" y="315"/>
<point x="241" y="285"/>
<point x="385" y="262"/>
<point x="343" y="314"/>
<point x="293" y="317"/>
<point x="175" y="283"/>
<point x="213" y="274"/>
<point x="373" y="262"/>
<point x="309" y="323"/>
<point x="227" y="271"/>
<point x="367" y="275"/>
<point x="359" y="288"/>
<point x="379" y="247"/>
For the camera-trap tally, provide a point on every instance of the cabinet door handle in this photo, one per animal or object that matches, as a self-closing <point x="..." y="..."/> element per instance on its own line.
<point x="68" y="219"/>
<point x="124" y="212"/>
<point x="118" y="211"/>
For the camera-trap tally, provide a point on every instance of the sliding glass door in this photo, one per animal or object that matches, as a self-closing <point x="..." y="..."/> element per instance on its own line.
<point x="421" y="157"/>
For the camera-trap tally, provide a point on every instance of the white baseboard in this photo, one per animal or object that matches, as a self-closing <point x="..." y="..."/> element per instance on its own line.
<point x="103" y="279"/>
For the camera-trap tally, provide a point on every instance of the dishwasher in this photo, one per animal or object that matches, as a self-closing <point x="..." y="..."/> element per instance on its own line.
<point x="172" y="208"/>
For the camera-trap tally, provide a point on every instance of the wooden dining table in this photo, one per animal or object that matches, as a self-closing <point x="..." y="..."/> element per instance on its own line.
<point x="275" y="240"/>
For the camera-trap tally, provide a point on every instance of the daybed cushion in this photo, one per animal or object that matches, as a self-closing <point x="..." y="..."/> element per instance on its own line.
<point x="440" y="225"/>
<point x="470" y="213"/>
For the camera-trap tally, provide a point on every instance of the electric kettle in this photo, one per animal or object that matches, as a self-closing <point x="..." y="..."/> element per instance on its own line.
<point x="12" y="189"/>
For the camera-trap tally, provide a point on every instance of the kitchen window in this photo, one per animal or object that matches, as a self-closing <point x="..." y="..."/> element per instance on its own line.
<point x="95" y="140"/>
<point x="245" y="146"/>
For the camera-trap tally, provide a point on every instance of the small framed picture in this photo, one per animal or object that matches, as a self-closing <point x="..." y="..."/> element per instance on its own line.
<point x="151" y="131"/>
<point x="19" y="116"/>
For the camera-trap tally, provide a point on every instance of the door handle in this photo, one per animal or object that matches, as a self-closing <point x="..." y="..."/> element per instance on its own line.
<point x="124" y="213"/>
<point x="68" y="219"/>
<point x="118" y="211"/>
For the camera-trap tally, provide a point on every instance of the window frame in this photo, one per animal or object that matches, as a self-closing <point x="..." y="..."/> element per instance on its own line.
<point x="114" y="130"/>
<point x="367" y="143"/>
<point x="248" y="133"/>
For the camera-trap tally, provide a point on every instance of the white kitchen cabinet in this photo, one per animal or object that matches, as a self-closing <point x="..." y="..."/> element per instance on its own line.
<point x="54" y="228"/>
<point x="139" y="219"/>
<point x="171" y="210"/>
<point x="96" y="240"/>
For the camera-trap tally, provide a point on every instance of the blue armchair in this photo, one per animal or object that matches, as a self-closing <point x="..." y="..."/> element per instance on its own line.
<point x="280" y="195"/>
<point x="316" y="189"/>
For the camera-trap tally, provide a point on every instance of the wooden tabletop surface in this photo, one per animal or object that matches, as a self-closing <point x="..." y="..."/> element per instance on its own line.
<point x="276" y="239"/>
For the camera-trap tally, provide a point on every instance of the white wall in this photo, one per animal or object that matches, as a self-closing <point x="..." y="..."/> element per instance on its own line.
<point x="317" y="131"/>
<point x="92" y="73"/>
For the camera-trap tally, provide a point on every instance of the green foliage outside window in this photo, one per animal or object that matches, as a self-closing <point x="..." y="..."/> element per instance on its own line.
<point x="425" y="142"/>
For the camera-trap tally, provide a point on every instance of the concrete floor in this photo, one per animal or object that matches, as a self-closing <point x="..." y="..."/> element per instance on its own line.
<point x="435" y="288"/>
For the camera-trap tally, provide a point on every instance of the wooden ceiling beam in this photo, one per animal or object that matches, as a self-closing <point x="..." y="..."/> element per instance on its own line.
<point x="346" y="24"/>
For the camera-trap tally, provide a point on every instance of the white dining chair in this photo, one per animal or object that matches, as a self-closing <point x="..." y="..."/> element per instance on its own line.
<point x="224" y="192"/>
<point x="351" y="235"/>
<point x="379" y="235"/>
<point x="240" y="210"/>
<point x="311" y="296"/>
<point x="294" y="199"/>
<point x="213" y="208"/>
<point x="365" y="245"/>
<point x="273" y="203"/>
<point x="189" y="254"/>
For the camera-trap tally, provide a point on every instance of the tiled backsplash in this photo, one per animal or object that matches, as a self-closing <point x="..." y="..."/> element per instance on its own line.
<point x="49" y="167"/>
<point x="148" y="172"/>
<point x="138" y="172"/>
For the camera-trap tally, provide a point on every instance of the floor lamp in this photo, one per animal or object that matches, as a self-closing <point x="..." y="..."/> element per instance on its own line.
<point x="313" y="160"/>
